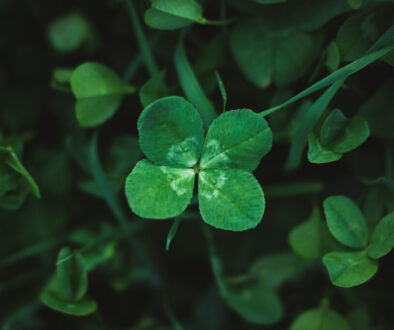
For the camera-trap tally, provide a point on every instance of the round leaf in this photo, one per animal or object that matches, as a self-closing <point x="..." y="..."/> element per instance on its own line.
<point x="69" y="32"/>
<point x="171" y="132"/>
<point x="159" y="192"/>
<point x="79" y="308"/>
<point x="310" y="239"/>
<point x="98" y="91"/>
<point x="230" y="199"/>
<point x="268" y="55"/>
<point x="236" y="139"/>
<point x="347" y="269"/>
<point x="345" y="221"/>
<point x="173" y="14"/>
<point x="320" y="318"/>
<point x="257" y="303"/>
<point x="382" y="240"/>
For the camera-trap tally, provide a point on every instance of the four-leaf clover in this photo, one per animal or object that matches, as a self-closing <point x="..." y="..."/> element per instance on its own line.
<point x="172" y="138"/>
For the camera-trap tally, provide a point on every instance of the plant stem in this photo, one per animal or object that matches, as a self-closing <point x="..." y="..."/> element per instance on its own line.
<point x="146" y="52"/>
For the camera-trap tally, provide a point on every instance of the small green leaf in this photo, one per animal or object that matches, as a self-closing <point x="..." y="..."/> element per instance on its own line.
<point x="61" y="79"/>
<point x="310" y="239"/>
<point x="71" y="275"/>
<point x="345" y="221"/>
<point x="319" y="154"/>
<point x="341" y="134"/>
<point x="275" y="269"/>
<point x="70" y="32"/>
<point x="222" y="89"/>
<point x="230" y="199"/>
<point x="382" y="240"/>
<point x="159" y="192"/>
<point x="153" y="89"/>
<point x="173" y="14"/>
<point x="12" y="160"/>
<point x="236" y="139"/>
<point x="332" y="127"/>
<point x="82" y="307"/>
<point x="256" y="303"/>
<point x="349" y="268"/>
<point x="309" y="121"/>
<point x="98" y="91"/>
<point x="332" y="57"/>
<point x="173" y="231"/>
<point x="171" y="132"/>
<point x="321" y="318"/>
<point x="267" y="55"/>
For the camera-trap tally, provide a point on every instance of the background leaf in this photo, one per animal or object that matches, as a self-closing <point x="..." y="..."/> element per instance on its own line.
<point x="382" y="240"/>
<point x="98" y="91"/>
<point x="347" y="269"/>
<point x="266" y="55"/>
<point x="321" y="318"/>
<point x="345" y="221"/>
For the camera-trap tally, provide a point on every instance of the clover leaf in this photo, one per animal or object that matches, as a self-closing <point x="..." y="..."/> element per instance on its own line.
<point x="172" y="137"/>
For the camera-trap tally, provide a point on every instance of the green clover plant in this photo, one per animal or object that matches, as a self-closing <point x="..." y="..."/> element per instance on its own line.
<point x="172" y="138"/>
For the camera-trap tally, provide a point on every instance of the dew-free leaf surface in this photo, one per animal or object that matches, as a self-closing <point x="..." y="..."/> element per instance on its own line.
<point x="171" y="132"/>
<point x="230" y="199"/>
<point x="345" y="221"/>
<point x="349" y="268"/>
<point x="236" y="139"/>
<point x="159" y="192"/>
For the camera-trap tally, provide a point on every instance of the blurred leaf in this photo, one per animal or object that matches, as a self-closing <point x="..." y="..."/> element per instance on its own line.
<point x="11" y="159"/>
<point x="173" y="14"/>
<point x="332" y="60"/>
<point x="123" y="154"/>
<point x="382" y="240"/>
<point x="268" y="2"/>
<point x="173" y="231"/>
<point x="82" y="307"/>
<point x="311" y="238"/>
<point x="153" y="89"/>
<point x="99" y="92"/>
<point x="362" y="29"/>
<point x="61" y="79"/>
<point x="321" y="318"/>
<point x="266" y="55"/>
<point x="256" y="303"/>
<point x="378" y="111"/>
<point x="276" y="269"/>
<point x="222" y="89"/>
<point x="345" y="221"/>
<point x="71" y="275"/>
<point x="347" y="269"/>
<point x="69" y="32"/>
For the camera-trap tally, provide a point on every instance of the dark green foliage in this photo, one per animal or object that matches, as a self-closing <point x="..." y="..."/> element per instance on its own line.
<point x="133" y="197"/>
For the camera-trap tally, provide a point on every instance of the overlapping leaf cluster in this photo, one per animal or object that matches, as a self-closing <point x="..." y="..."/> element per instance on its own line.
<point x="89" y="88"/>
